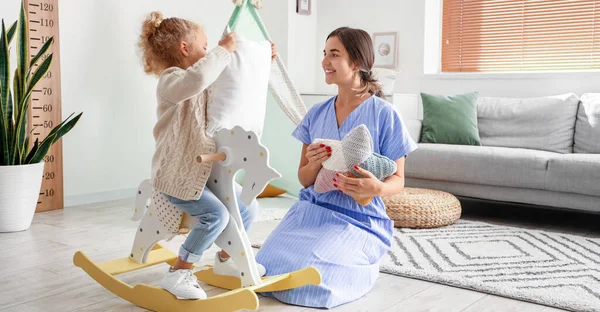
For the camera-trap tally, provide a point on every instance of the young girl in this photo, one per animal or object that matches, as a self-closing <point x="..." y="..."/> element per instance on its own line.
<point x="175" y="50"/>
<point x="331" y="231"/>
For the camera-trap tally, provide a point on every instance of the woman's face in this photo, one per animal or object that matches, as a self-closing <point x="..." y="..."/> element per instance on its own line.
<point x="336" y="63"/>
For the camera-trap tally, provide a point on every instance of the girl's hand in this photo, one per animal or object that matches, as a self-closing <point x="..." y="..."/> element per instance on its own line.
<point x="317" y="154"/>
<point x="229" y="42"/>
<point x="273" y="51"/>
<point x="359" y="187"/>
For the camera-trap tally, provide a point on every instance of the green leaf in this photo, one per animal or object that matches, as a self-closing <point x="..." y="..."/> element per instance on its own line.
<point x="42" y="51"/>
<point x="55" y="135"/>
<point x="4" y="155"/>
<point x="17" y="156"/>
<point x="10" y="108"/>
<point x="39" y="74"/>
<point x="11" y="32"/>
<point x="23" y="44"/>
<point x="19" y="131"/>
<point x="21" y="122"/>
<point x="5" y="120"/>
<point x="57" y="128"/>
<point x="3" y="150"/>
<point x="11" y="126"/>
<point x="34" y="150"/>
<point x="4" y="70"/>
<point x="18" y="139"/>
<point x="20" y="125"/>
<point x="24" y="154"/>
<point x="18" y="88"/>
<point x="43" y="149"/>
<point x="22" y="150"/>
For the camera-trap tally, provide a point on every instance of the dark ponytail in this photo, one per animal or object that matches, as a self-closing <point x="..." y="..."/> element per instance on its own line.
<point x="359" y="45"/>
<point x="371" y="84"/>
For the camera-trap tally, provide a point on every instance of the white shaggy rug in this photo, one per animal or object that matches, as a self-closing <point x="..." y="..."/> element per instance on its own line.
<point x="553" y="269"/>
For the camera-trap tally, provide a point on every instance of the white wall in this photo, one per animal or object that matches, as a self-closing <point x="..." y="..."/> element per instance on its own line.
<point x="302" y="30"/>
<point x="294" y="35"/>
<point x="274" y="16"/>
<point x="407" y="18"/>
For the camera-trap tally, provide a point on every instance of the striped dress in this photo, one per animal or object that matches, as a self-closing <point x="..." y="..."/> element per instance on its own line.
<point x="330" y="231"/>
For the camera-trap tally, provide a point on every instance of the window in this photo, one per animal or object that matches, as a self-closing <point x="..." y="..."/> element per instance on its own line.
<point x="520" y="35"/>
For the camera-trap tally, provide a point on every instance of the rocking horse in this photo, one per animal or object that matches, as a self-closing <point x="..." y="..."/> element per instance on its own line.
<point x="237" y="149"/>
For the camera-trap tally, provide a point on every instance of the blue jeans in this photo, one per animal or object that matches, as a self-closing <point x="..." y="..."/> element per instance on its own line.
<point x="213" y="218"/>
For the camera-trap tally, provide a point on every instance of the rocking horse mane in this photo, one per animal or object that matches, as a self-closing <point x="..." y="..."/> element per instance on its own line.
<point x="248" y="154"/>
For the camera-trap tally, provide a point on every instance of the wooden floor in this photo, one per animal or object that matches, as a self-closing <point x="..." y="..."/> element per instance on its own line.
<point x="37" y="273"/>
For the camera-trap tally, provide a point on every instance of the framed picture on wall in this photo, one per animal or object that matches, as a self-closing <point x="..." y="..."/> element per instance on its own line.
<point x="303" y="6"/>
<point x="385" y="46"/>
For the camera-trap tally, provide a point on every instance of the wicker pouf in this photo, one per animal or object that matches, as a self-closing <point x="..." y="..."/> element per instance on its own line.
<point x="422" y="208"/>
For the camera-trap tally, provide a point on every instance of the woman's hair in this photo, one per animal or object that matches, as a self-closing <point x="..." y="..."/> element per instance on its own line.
<point x="159" y="41"/>
<point x="359" y="45"/>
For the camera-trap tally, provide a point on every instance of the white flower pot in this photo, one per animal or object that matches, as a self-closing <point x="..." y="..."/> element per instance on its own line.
<point x="19" y="192"/>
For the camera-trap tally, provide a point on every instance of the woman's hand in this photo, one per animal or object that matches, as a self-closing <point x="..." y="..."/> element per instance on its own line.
<point x="317" y="154"/>
<point x="359" y="187"/>
<point x="273" y="51"/>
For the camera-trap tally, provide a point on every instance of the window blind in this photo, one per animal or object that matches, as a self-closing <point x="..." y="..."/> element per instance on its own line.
<point x="520" y="35"/>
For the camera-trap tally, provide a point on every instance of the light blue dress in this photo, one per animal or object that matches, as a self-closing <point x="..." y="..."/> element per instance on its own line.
<point x="330" y="231"/>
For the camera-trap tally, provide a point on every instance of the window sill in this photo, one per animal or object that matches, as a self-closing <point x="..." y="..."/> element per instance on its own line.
<point x="517" y="75"/>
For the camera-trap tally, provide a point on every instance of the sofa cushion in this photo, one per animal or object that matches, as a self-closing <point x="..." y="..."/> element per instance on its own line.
<point x="450" y="119"/>
<point x="587" y="128"/>
<point x="574" y="173"/>
<point x="544" y="123"/>
<point x="486" y="165"/>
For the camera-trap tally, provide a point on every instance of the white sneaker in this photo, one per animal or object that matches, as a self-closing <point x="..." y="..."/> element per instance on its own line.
<point x="229" y="268"/>
<point x="183" y="284"/>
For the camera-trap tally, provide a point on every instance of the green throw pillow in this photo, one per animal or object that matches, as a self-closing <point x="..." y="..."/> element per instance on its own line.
<point x="450" y="119"/>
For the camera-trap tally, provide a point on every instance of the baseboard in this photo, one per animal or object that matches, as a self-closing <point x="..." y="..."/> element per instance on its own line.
<point x="91" y="198"/>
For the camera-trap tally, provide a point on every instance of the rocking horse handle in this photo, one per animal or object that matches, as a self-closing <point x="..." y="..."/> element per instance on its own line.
<point x="211" y="157"/>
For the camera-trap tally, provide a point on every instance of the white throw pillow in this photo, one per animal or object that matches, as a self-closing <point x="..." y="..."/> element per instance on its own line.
<point x="239" y="95"/>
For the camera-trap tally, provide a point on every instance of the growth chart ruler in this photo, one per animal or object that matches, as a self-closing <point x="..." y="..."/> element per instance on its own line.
<point x="45" y="103"/>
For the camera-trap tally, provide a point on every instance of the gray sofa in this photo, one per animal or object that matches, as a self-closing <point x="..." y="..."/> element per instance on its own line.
<point x="541" y="151"/>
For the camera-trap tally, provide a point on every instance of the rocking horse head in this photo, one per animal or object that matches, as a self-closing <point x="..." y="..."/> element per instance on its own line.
<point x="244" y="151"/>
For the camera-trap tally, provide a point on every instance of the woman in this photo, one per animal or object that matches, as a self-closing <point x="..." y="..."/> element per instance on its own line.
<point x="331" y="231"/>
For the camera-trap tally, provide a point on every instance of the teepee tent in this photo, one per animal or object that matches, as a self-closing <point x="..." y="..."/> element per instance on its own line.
<point x="284" y="149"/>
<point x="246" y="21"/>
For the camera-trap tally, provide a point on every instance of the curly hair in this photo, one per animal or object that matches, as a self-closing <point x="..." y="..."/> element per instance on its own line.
<point x="159" y="41"/>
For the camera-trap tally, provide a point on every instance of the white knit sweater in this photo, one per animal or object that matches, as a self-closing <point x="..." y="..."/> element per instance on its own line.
<point x="180" y="131"/>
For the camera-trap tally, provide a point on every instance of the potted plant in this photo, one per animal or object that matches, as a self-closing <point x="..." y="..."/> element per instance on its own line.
<point x="21" y="162"/>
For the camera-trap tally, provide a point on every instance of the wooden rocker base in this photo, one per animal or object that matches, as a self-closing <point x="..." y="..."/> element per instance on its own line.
<point x="158" y="299"/>
<point x="307" y="276"/>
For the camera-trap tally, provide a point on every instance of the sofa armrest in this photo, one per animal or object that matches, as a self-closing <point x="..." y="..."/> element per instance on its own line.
<point x="414" y="128"/>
